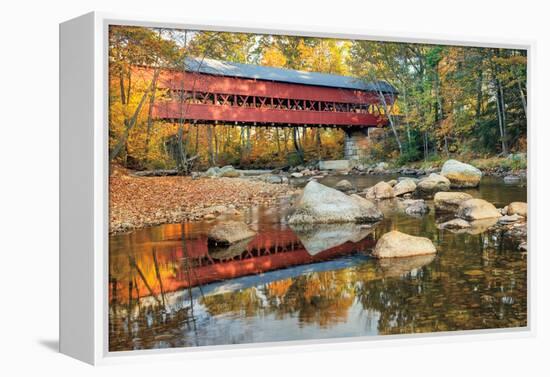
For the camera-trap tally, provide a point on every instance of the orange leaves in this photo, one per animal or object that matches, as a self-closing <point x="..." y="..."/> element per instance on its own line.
<point x="140" y="202"/>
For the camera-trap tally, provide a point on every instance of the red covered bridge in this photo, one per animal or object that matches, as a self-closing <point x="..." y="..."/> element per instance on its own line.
<point x="216" y="92"/>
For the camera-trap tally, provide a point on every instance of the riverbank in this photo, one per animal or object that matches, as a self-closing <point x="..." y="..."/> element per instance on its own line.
<point x="138" y="202"/>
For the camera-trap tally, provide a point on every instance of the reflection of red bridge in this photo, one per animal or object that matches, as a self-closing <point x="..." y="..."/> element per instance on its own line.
<point x="211" y="91"/>
<point x="195" y="265"/>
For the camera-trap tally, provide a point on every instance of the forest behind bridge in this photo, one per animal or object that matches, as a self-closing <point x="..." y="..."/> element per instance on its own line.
<point x="454" y="101"/>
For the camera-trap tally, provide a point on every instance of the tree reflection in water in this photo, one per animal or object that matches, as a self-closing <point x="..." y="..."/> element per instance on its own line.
<point x="275" y="289"/>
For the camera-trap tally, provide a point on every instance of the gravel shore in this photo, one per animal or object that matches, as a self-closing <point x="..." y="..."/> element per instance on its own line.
<point x="138" y="202"/>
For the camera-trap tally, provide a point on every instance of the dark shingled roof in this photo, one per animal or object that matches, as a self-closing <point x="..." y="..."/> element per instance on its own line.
<point x="259" y="72"/>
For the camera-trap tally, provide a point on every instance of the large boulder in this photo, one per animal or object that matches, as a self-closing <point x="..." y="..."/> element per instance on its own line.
<point x="381" y="190"/>
<point x="461" y="174"/>
<point x="517" y="208"/>
<point x="396" y="244"/>
<point x="229" y="232"/>
<point x="449" y="201"/>
<point x="344" y="185"/>
<point x="320" y="204"/>
<point x="476" y="209"/>
<point x="428" y="186"/>
<point x="404" y="186"/>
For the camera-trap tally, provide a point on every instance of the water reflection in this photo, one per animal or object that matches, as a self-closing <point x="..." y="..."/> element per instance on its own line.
<point x="169" y="289"/>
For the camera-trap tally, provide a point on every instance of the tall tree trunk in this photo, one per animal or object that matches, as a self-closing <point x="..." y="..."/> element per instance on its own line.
<point x="196" y="139"/>
<point x="278" y="142"/>
<point x="216" y="144"/>
<point x="503" y="110"/>
<point x="387" y="112"/>
<point x="296" y="140"/>
<point x="209" y="137"/>
<point x="122" y="90"/>
<point x="319" y="144"/>
<point x="522" y="95"/>
<point x="150" y="117"/>
<point x="479" y="90"/>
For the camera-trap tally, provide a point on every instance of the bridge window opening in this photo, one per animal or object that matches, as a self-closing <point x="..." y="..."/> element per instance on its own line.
<point x="260" y="102"/>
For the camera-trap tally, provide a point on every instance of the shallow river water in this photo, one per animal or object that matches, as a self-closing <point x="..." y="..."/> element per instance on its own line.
<point x="168" y="288"/>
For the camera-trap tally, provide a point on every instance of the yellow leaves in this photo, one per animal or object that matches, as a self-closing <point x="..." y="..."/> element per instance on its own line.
<point x="273" y="57"/>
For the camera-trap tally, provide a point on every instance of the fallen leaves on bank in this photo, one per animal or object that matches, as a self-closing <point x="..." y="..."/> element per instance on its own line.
<point x="137" y="202"/>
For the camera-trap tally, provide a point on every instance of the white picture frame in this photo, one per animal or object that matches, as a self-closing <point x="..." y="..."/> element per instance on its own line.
<point x="84" y="192"/>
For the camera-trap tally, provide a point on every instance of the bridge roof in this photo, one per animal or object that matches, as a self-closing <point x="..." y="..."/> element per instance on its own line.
<point x="259" y="72"/>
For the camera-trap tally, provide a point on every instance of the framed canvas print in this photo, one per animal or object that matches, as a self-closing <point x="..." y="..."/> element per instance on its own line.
<point x="226" y="187"/>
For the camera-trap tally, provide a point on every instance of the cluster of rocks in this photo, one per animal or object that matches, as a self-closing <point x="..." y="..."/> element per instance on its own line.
<point x="318" y="205"/>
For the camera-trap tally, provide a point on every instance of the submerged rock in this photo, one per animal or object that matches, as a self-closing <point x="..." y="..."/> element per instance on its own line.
<point x="460" y="226"/>
<point x="454" y="224"/>
<point x="507" y="219"/>
<point x="461" y="174"/>
<point x="449" y="201"/>
<point x="417" y="208"/>
<point x="476" y="209"/>
<point x="322" y="204"/>
<point x="229" y="232"/>
<point x="404" y="186"/>
<point x="428" y="186"/>
<point x="395" y="244"/>
<point x="512" y="179"/>
<point x="517" y="208"/>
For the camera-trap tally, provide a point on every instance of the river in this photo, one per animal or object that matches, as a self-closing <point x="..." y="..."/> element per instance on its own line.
<point x="168" y="288"/>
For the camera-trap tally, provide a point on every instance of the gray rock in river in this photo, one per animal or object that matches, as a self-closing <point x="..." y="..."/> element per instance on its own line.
<point x="395" y="244"/>
<point x="477" y="209"/>
<point x="461" y="174"/>
<point x="416" y="207"/>
<point x="404" y="186"/>
<point x="428" y="186"/>
<point x="344" y="185"/>
<point x="517" y="208"/>
<point x="320" y="204"/>
<point x="454" y="224"/>
<point x="449" y="201"/>
<point x="229" y="232"/>
<point x="381" y="190"/>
